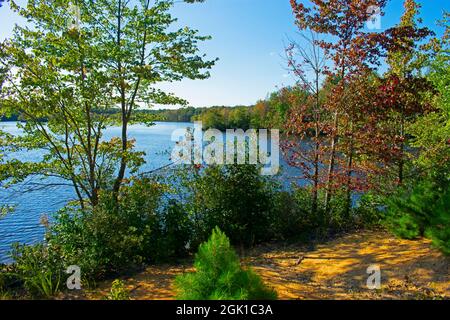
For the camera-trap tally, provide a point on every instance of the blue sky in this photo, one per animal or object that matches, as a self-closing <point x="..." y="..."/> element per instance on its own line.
<point x="248" y="38"/>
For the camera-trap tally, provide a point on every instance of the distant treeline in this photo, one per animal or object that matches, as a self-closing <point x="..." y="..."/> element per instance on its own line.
<point x="271" y="112"/>
<point x="268" y="113"/>
<point x="169" y="115"/>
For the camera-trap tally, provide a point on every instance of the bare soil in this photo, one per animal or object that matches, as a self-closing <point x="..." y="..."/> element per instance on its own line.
<point x="333" y="270"/>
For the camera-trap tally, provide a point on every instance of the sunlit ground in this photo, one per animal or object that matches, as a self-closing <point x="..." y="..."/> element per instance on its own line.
<point x="333" y="270"/>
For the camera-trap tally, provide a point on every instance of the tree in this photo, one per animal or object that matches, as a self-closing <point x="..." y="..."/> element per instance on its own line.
<point x="73" y="63"/>
<point x="219" y="275"/>
<point x="239" y="117"/>
<point x="430" y="132"/>
<point x="353" y="52"/>
<point x="404" y="91"/>
<point x="236" y="198"/>
<point x="307" y="114"/>
<point x="259" y="114"/>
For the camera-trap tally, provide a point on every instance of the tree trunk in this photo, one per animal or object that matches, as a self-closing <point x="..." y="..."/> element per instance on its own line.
<point x="316" y="185"/>
<point x="331" y="164"/>
<point x="401" y="163"/>
<point x="314" y="206"/>
<point x="123" y="162"/>
<point x="349" y="181"/>
<point x="124" y="138"/>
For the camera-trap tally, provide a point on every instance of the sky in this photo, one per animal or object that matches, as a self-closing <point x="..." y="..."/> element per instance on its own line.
<point x="248" y="37"/>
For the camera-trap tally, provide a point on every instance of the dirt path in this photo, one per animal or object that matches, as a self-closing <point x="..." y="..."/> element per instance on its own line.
<point x="334" y="270"/>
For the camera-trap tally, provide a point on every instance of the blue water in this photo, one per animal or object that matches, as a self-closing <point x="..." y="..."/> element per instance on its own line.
<point x="23" y="225"/>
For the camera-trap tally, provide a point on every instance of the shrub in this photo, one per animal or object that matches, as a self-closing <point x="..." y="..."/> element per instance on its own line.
<point x="219" y="275"/>
<point x="8" y="280"/>
<point x="111" y="238"/>
<point x="176" y="231"/>
<point x="405" y="226"/>
<point x="73" y="233"/>
<point x="106" y="240"/>
<point x="40" y="268"/>
<point x="370" y="210"/>
<point x="7" y="276"/>
<point x="118" y="291"/>
<point x="292" y="218"/>
<point x="422" y="210"/>
<point x="297" y="219"/>
<point x="4" y="295"/>
<point x="236" y="198"/>
<point x="439" y="229"/>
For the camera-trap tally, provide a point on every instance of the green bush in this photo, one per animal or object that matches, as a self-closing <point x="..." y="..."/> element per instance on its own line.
<point x="422" y="211"/>
<point x="439" y="229"/>
<point x="370" y="210"/>
<point x="219" y="275"/>
<point x="111" y="238"/>
<point x="319" y="223"/>
<point x="405" y="226"/>
<point x="5" y="295"/>
<point x="106" y="240"/>
<point x="8" y="281"/>
<point x="118" y="291"/>
<point x="236" y="198"/>
<point x="292" y="219"/>
<point x="176" y="231"/>
<point x="417" y="203"/>
<point x="40" y="268"/>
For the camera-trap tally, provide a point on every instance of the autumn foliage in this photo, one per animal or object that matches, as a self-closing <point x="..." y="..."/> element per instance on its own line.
<point x="354" y="118"/>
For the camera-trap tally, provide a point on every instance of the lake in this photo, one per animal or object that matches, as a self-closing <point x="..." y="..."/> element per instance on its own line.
<point x="24" y="226"/>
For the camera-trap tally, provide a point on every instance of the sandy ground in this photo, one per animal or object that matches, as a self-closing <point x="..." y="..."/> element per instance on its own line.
<point x="333" y="270"/>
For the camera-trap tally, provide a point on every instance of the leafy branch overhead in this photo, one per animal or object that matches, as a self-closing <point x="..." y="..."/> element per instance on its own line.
<point x="71" y="75"/>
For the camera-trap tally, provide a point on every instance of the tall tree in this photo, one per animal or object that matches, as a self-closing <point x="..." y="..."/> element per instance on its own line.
<point x="431" y="132"/>
<point x="72" y="63"/>
<point x="353" y="51"/>
<point x="307" y="117"/>
<point x="404" y="90"/>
